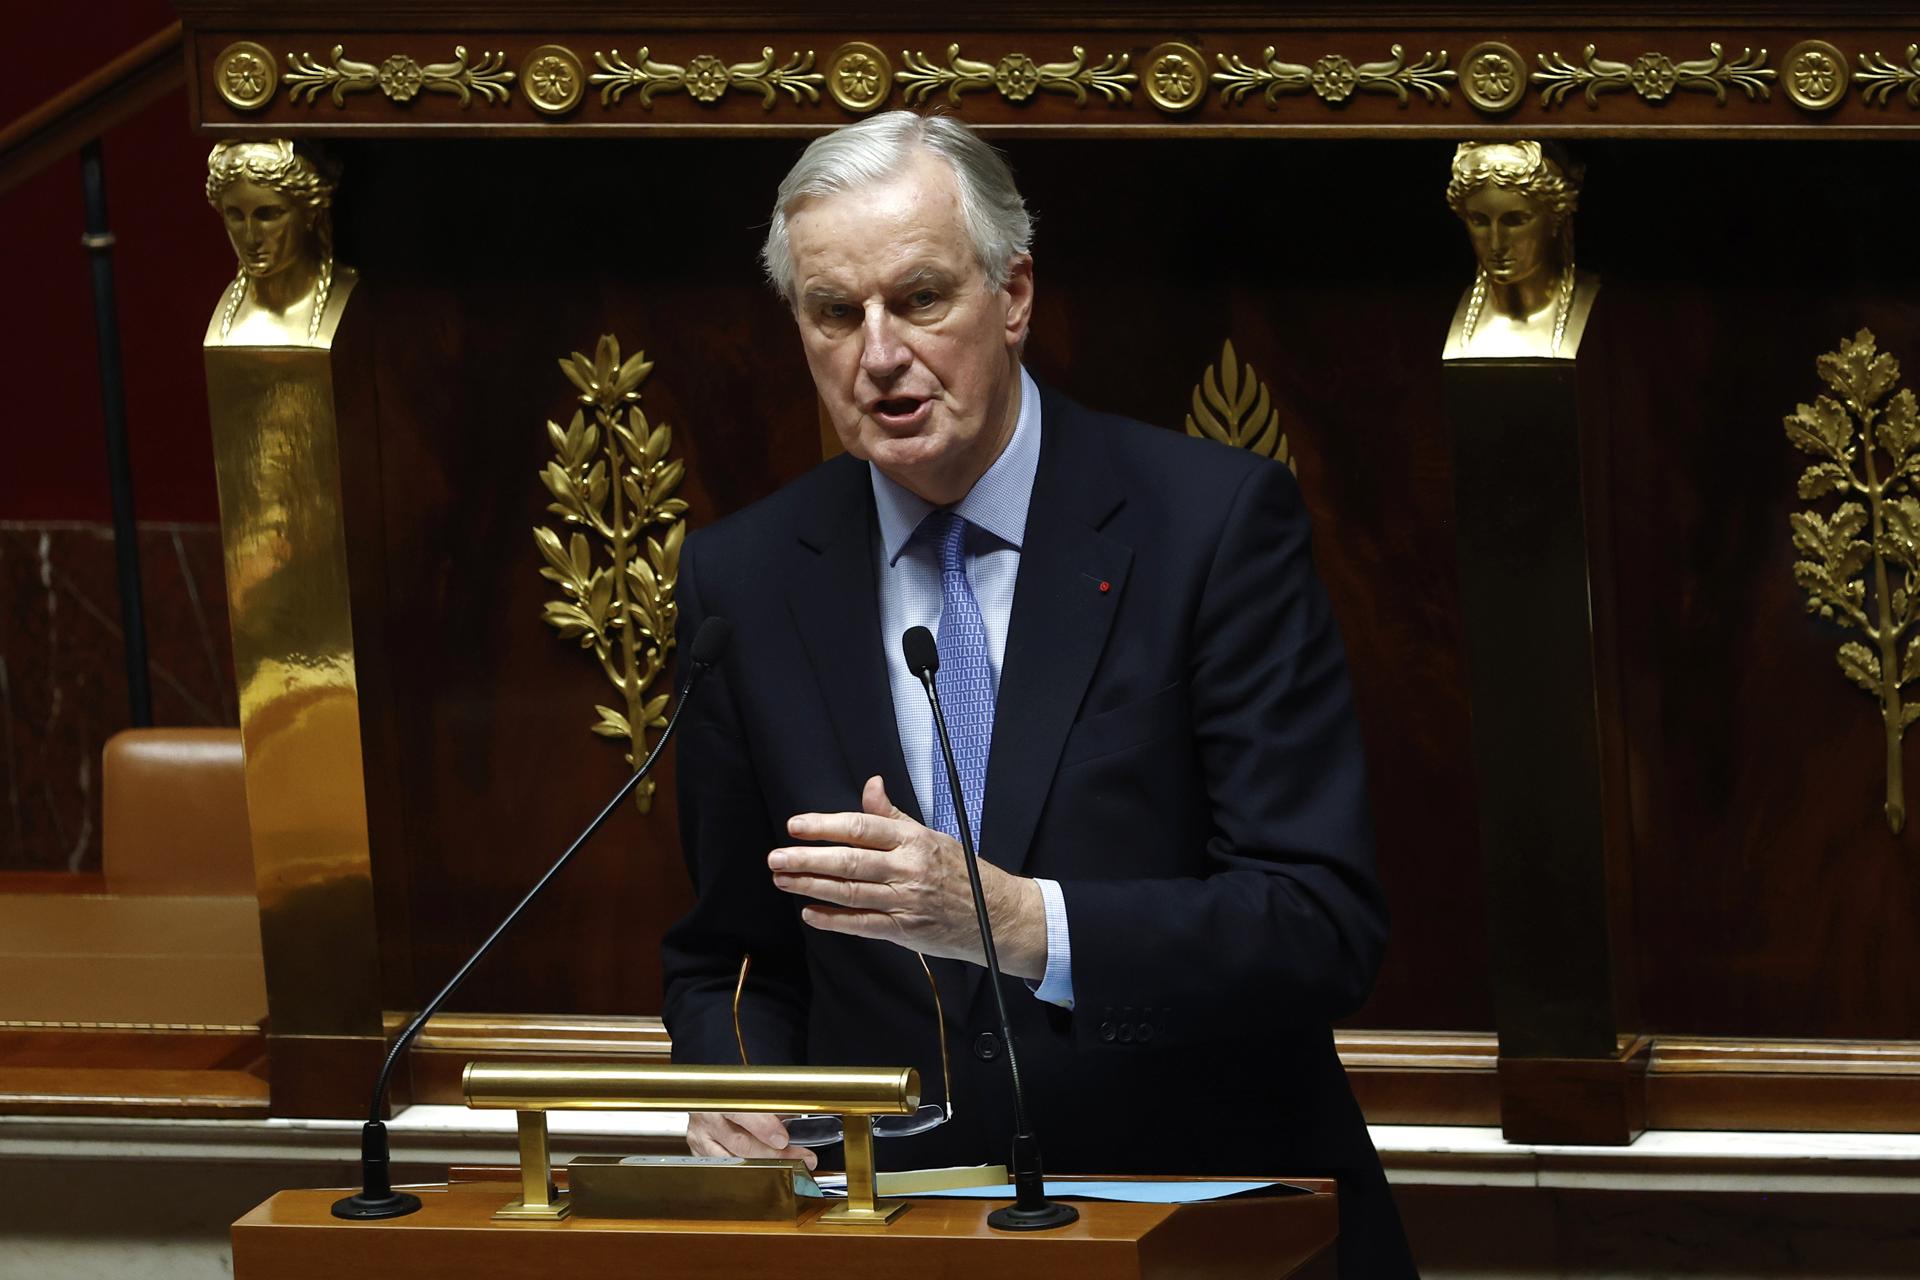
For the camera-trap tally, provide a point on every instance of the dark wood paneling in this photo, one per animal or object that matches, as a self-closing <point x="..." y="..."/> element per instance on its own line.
<point x="1770" y="898"/>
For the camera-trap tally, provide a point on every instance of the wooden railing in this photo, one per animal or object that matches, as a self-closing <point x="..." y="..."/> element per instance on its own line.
<point x="90" y="106"/>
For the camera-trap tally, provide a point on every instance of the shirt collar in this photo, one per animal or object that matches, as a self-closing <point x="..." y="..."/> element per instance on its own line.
<point x="998" y="500"/>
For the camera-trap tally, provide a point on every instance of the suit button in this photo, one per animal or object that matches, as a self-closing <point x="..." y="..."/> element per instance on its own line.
<point x="1106" y="1032"/>
<point x="1126" y="1033"/>
<point x="1144" y="1032"/>
<point x="986" y="1046"/>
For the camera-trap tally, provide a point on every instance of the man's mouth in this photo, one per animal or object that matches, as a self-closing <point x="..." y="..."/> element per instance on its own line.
<point x="900" y="412"/>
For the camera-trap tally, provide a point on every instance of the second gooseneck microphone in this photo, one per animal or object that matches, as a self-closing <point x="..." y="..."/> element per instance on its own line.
<point x="376" y="1198"/>
<point x="1031" y="1210"/>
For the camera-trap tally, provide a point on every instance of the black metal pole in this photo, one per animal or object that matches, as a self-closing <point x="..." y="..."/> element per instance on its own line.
<point x="113" y="409"/>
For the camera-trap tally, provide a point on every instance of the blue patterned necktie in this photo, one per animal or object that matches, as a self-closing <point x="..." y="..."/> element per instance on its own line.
<point x="965" y="680"/>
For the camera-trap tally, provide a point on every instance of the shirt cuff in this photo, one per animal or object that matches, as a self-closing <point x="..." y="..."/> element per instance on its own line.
<point x="1056" y="983"/>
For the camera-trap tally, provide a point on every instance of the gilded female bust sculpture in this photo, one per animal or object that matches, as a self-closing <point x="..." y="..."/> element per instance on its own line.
<point x="1528" y="301"/>
<point x="274" y="198"/>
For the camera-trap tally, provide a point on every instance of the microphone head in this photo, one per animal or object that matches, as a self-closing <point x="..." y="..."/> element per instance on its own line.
<point x="710" y="642"/>
<point x="923" y="655"/>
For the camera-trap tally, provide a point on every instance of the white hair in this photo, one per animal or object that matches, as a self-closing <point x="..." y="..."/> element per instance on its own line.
<point x="879" y="147"/>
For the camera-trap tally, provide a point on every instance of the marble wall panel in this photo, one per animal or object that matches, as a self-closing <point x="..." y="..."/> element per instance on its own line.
<point x="63" y="688"/>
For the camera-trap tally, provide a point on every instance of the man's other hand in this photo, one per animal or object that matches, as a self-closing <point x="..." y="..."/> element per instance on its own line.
<point x="752" y="1134"/>
<point x="882" y="875"/>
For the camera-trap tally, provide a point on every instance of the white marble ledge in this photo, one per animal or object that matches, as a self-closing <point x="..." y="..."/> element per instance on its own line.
<point x="1671" y="1160"/>
<point x="1665" y="1160"/>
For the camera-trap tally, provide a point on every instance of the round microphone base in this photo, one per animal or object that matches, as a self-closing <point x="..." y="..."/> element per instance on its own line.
<point x="1048" y="1215"/>
<point x="366" y="1208"/>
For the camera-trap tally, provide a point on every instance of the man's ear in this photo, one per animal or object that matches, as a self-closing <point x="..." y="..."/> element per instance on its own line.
<point x="1019" y="288"/>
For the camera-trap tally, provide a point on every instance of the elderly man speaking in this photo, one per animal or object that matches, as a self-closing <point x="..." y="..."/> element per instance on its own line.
<point x="1149" y="709"/>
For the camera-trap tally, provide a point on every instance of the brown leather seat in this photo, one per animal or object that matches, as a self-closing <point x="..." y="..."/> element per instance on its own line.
<point x="174" y="813"/>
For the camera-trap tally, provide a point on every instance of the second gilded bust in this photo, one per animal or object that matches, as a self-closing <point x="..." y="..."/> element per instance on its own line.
<point x="1528" y="301"/>
<point x="275" y="199"/>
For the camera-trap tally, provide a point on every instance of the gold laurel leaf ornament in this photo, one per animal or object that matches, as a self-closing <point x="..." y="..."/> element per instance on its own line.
<point x="616" y="553"/>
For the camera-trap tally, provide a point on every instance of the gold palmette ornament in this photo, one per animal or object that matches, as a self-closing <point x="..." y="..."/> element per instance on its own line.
<point x="612" y="487"/>
<point x="1866" y="446"/>
<point x="1232" y="405"/>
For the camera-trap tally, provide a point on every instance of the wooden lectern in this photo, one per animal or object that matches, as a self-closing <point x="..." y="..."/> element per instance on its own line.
<point x="294" y="1236"/>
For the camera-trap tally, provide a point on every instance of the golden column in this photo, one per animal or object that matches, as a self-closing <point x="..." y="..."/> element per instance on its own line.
<point x="271" y="387"/>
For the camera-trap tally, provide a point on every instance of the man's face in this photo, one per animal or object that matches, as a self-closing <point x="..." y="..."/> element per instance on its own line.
<point x="268" y="234"/>
<point x="1511" y="234"/>
<point x="915" y="359"/>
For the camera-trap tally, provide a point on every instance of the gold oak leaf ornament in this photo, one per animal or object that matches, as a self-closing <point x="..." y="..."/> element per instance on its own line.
<point x="1866" y="445"/>
<point x="612" y="487"/>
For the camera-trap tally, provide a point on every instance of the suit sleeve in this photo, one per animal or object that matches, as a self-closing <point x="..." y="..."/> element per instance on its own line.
<point x="725" y="834"/>
<point x="1286" y="927"/>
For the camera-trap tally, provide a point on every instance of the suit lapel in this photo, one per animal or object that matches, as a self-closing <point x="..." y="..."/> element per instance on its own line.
<point x="1061" y="616"/>
<point x="836" y="609"/>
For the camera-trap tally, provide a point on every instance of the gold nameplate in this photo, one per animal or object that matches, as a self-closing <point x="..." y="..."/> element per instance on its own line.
<point x="720" y="1188"/>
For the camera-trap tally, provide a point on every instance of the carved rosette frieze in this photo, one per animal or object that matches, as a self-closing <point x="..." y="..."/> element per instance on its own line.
<point x="1175" y="77"/>
<point x="1016" y="77"/>
<point x="1880" y="75"/>
<point x="1493" y="77"/>
<point x="246" y="75"/>
<point x="1655" y="77"/>
<point x="1814" y="75"/>
<point x="705" y="78"/>
<point x="613" y="487"/>
<point x="859" y="76"/>
<point x="399" y="77"/>
<point x="1333" y="78"/>
<point x="553" y="79"/>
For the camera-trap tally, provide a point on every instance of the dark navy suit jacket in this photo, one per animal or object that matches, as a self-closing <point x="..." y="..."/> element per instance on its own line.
<point x="1174" y="742"/>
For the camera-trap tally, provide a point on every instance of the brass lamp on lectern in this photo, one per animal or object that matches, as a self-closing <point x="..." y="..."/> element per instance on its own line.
<point x="856" y="1093"/>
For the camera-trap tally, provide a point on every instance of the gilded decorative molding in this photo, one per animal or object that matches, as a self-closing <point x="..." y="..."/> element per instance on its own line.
<point x="859" y="76"/>
<point x="400" y="78"/>
<point x="1176" y="77"/>
<point x="1853" y="552"/>
<point x="1016" y="77"/>
<point x="553" y="79"/>
<point x="1880" y="75"/>
<point x="245" y="75"/>
<point x="1815" y="75"/>
<point x="1653" y="76"/>
<point x="1332" y="78"/>
<point x="622" y="611"/>
<point x="706" y="79"/>
<point x="1493" y="77"/>
<point x="1232" y="405"/>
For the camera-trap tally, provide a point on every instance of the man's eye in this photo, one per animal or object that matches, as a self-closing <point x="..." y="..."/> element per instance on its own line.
<point x="923" y="298"/>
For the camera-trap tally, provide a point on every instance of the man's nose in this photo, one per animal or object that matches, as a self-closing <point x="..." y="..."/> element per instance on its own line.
<point x="882" y="354"/>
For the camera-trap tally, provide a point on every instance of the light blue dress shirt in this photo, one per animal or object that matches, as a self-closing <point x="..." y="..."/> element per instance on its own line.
<point x="909" y="589"/>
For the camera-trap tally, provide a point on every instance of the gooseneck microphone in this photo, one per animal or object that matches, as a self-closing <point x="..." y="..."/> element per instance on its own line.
<point x="377" y="1198"/>
<point x="1031" y="1210"/>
